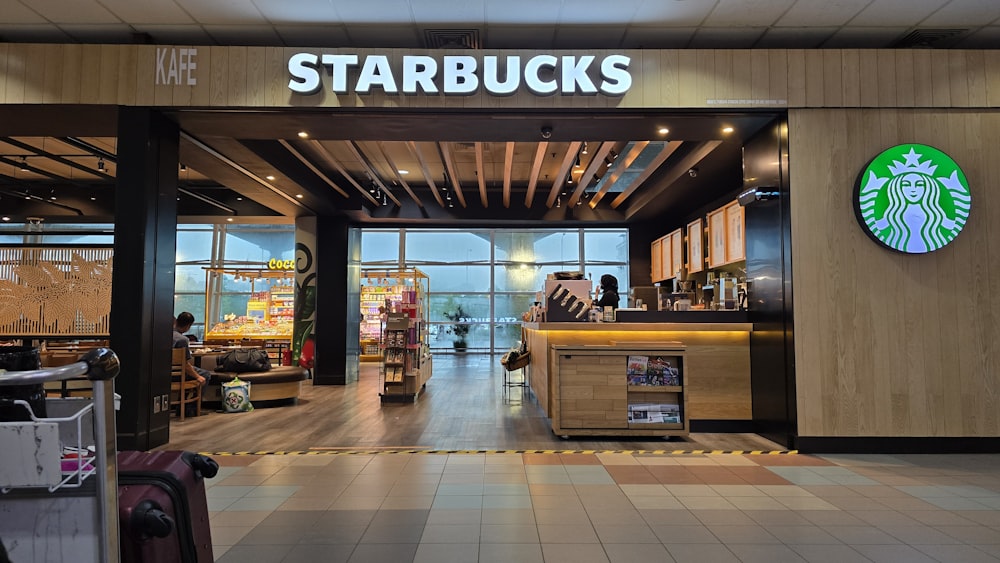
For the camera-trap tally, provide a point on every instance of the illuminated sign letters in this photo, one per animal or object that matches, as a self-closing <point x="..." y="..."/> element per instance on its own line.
<point x="461" y="75"/>
<point x="275" y="264"/>
<point x="912" y="198"/>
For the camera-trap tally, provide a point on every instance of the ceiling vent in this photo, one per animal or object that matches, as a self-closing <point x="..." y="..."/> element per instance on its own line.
<point x="928" y="38"/>
<point x="452" y="39"/>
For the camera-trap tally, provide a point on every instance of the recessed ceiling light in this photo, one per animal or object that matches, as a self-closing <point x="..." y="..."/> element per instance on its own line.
<point x="93" y="199"/>
<point x="403" y="171"/>
<point x="6" y="218"/>
<point x="663" y="131"/>
<point x="300" y="196"/>
<point x="269" y="177"/>
<point x="727" y="129"/>
<point x="239" y="199"/>
<point x="303" y="135"/>
<point x="230" y="219"/>
<point x="52" y="198"/>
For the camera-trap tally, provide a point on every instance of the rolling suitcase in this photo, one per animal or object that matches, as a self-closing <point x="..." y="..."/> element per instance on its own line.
<point x="162" y="507"/>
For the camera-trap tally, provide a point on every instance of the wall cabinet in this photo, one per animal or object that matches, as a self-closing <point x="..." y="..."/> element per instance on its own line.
<point x="696" y="246"/>
<point x="667" y="256"/>
<point x="725" y="235"/>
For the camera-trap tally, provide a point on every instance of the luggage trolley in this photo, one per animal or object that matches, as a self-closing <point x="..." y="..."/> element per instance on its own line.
<point x="58" y="474"/>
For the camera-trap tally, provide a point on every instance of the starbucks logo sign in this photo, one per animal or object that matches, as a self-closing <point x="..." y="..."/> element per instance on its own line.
<point x="912" y="198"/>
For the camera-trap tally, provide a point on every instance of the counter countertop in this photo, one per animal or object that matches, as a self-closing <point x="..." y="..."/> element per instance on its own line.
<point x="707" y="326"/>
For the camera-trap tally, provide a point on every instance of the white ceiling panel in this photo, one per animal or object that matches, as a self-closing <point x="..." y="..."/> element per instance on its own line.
<point x="985" y="38"/>
<point x="297" y="11"/>
<point x="864" y="37"/>
<point x="747" y="12"/>
<point x="33" y="34"/>
<point x="243" y="34"/>
<point x="795" y="37"/>
<point x="673" y="12"/>
<point x="515" y="37"/>
<point x="889" y="13"/>
<point x="522" y="11"/>
<point x="18" y="13"/>
<point x="230" y="12"/>
<point x="468" y="12"/>
<point x="593" y="37"/>
<point x="726" y="38"/>
<point x="366" y="11"/>
<point x="818" y="13"/>
<point x="641" y="37"/>
<point x="164" y="12"/>
<point x="383" y="36"/>
<point x="313" y="35"/>
<point x="603" y="12"/>
<point x="176" y="34"/>
<point x="959" y="13"/>
<point x="79" y="11"/>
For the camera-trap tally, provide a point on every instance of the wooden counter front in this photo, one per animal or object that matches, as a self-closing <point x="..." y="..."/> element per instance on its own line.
<point x="718" y="356"/>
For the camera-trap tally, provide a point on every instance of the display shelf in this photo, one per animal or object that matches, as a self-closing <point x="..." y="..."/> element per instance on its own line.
<point x="405" y="363"/>
<point x="609" y="390"/>
<point x="270" y="311"/>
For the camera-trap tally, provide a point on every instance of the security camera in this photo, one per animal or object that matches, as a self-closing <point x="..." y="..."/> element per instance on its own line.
<point x="693" y="172"/>
<point x="546" y="132"/>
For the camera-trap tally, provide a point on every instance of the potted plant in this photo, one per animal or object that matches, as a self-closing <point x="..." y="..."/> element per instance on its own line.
<point x="460" y="330"/>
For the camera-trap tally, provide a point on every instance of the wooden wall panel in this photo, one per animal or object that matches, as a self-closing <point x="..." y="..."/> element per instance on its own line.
<point x="890" y="344"/>
<point x="693" y="78"/>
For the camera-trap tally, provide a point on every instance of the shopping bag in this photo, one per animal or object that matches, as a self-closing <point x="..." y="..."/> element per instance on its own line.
<point x="236" y="396"/>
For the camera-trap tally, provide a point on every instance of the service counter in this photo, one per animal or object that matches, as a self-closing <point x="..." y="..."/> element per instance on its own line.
<point x="717" y="356"/>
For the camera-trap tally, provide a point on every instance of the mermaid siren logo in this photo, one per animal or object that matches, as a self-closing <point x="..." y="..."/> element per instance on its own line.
<point x="912" y="198"/>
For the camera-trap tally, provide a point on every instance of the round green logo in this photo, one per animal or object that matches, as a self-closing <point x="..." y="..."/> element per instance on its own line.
<point x="912" y="198"/>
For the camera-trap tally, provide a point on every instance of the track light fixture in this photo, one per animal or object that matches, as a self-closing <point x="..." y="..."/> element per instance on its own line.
<point x="24" y="164"/>
<point x="559" y="201"/>
<point x="184" y="167"/>
<point x="100" y="165"/>
<point x="584" y="147"/>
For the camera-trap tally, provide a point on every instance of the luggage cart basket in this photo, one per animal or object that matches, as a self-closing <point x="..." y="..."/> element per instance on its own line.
<point x="58" y="471"/>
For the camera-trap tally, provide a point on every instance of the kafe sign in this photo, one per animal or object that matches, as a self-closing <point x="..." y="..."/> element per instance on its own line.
<point x="460" y="75"/>
<point x="912" y="198"/>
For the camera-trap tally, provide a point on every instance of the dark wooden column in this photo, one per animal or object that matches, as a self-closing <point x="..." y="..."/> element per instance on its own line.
<point x="337" y="314"/>
<point x="143" y="281"/>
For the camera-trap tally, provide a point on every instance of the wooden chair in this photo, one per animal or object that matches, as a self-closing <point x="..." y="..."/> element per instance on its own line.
<point x="183" y="388"/>
<point x="79" y="387"/>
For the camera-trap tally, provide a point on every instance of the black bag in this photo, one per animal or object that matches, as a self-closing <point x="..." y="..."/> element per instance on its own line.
<point x="244" y="360"/>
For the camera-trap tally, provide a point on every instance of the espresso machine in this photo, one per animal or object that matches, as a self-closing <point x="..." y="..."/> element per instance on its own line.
<point x="683" y="295"/>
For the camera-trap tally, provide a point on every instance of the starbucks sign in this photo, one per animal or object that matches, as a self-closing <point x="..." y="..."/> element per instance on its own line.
<point x="912" y="198"/>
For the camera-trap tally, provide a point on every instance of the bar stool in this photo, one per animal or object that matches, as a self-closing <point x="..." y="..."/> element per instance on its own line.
<point x="511" y="362"/>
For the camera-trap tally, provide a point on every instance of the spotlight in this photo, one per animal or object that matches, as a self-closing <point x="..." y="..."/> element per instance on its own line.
<point x="24" y="164"/>
<point x="184" y="167"/>
<point x="585" y="147"/>
<point x="546" y="132"/>
<point x="613" y="155"/>
<point x="693" y="172"/>
<point x="559" y="201"/>
<point x="100" y="165"/>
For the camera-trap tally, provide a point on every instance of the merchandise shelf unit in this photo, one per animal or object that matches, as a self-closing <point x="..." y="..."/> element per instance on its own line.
<point x="269" y="314"/>
<point x="404" y="352"/>
<point x="620" y="390"/>
<point x="386" y="289"/>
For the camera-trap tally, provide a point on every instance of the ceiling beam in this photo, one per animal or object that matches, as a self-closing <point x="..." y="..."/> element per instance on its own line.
<point x="419" y="155"/>
<point x="623" y="165"/>
<point x="399" y="177"/>
<point x="302" y="158"/>
<point x="58" y="158"/>
<point x="481" y="175"/>
<point x="595" y="162"/>
<point x="667" y="150"/>
<point x="449" y="165"/>
<point x="41" y="172"/>
<point x="678" y="170"/>
<point x="356" y="150"/>
<point x="508" y="165"/>
<point x="559" y="183"/>
<point x="536" y="169"/>
<point x="324" y="155"/>
<point x="207" y="200"/>
<point x="91" y="148"/>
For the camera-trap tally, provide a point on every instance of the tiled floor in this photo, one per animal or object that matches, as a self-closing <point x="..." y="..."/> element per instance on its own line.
<point x="613" y="507"/>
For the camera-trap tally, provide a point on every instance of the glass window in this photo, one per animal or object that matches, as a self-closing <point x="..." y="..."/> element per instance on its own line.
<point x="194" y="246"/>
<point x="447" y="246"/>
<point x="619" y="271"/>
<point x="380" y="247"/>
<point x="606" y="246"/>
<point x="537" y="246"/>
<point x="258" y="244"/>
<point x="520" y="277"/>
<point x="192" y="303"/>
<point x="508" y="308"/>
<point x="189" y="278"/>
<point x="457" y="278"/>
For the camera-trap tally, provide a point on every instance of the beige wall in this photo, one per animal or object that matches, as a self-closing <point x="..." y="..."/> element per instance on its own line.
<point x="888" y="344"/>
<point x="697" y="78"/>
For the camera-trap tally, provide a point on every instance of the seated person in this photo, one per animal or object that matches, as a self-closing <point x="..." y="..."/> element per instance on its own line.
<point x="182" y="323"/>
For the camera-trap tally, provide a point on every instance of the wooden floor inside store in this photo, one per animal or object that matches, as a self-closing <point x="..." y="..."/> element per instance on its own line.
<point x="463" y="407"/>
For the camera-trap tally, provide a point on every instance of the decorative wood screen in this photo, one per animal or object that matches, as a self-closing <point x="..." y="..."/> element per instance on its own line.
<point x="55" y="291"/>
